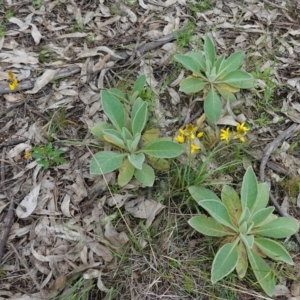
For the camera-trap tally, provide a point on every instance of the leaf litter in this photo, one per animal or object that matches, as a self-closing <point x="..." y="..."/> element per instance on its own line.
<point x="62" y="55"/>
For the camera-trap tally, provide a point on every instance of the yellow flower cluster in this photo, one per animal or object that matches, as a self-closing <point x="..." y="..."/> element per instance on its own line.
<point x="13" y="81"/>
<point x="189" y="133"/>
<point x="27" y="154"/>
<point x="241" y="131"/>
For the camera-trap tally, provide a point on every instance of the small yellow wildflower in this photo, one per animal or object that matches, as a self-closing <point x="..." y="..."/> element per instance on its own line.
<point x="179" y="138"/>
<point x="225" y="134"/>
<point x="241" y="129"/>
<point x="190" y="131"/>
<point x="200" y="135"/>
<point x="242" y="139"/>
<point x="13" y="82"/>
<point x="27" y="154"/>
<point x="194" y="148"/>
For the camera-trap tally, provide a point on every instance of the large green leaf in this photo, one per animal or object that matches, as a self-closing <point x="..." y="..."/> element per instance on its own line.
<point x="139" y="84"/>
<point x="97" y="129"/>
<point x="249" y="189"/>
<point x="192" y="85"/>
<point x="207" y="226"/>
<point x="248" y="240"/>
<point x="219" y="63"/>
<point x="273" y="250"/>
<point x="189" y="63"/>
<point x="162" y="149"/>
<point x="105" y="162"/>
<point x="212" y="106"/>
<point x="126" y="134"/>
<point x="261" y="216"/>
<point x="245" y="216"/>
<point x="137" y="160"/>
<point x="242" y="265"/>
<point x="135" y="141"/>
<point x="118" y="94"/>
<point x="158" y="163"/>
<point x="233" y="62"/>
<point x="139" y="118"/>
<point x="233" y="203"/>
<point x="218" y="211"/>
<point x="224" y="91"/>
<point x="199" y="58"/>
<point x="209" y="49"/>
<point x="239" y="79"/>
<point x="278" y="228"/>
<point x="262" y="272"/>
<point x="199" y="193"/>
<point x="145" y="176"/>
<point x="262" y="198"/>
<point x="224" y="262"/>
<point x="114" y="137"/>
<point x="114" y="109"/>
<point x="125" y="172"/>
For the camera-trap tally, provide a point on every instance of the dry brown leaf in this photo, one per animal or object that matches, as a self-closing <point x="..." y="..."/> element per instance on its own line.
<point x="144" y="209"/>
<point x="79" y="189"/>
<point x="117" y="239"/>
<point x="65" y="206"/>
<point x="101" y="251"/>
<point x="35" y="34"/>
<point x="29" y="203"/>
<point x="47" y="76"/>
<point x="100" y="284"/>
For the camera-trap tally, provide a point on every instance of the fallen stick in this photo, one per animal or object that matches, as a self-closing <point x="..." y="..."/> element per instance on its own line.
<point x="272" y="146"/>
<point x="269" y="149"/>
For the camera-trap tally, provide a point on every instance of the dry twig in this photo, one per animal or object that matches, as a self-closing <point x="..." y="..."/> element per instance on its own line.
<point x="269" y="149"/>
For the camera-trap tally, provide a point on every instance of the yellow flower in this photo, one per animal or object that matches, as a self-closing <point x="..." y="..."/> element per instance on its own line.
<point x="241" y="129"/>
<point x="194" y="148"/>
<point x="13" y="82"/>
<point x="200" y="134"/>
<point x="179" y="138"/>
<point x="190" y="131"/>
<point x="27" y="154"/>
<point x="242" y="139"/>
<point x="225" y="134"/>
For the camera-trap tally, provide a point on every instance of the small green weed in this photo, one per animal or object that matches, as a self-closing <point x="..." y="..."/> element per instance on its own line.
<point x="268" y="77"/>
<point x="77" y="27"/>
<point x="2" y="30"/>
<point x="9" y="14"/>
<point x="90" y="39"/>
<point x="183" y="38"/>
<point x="47" y="56"/>
<point x="37" y="4"/>
<point x="77" y="289"/>
<point x="199" y="6"/>
<point x="47" y="156"/>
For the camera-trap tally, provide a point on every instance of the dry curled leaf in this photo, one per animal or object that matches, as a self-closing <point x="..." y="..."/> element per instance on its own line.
<point x="29" y="203"/>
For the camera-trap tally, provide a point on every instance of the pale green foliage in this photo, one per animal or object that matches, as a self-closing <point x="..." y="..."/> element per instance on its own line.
<point x="135" y="152"/>
<point x="214" y="76"/>
<point x="247" y="226"/>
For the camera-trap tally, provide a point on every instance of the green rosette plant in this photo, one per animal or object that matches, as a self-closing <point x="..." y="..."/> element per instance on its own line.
<point x="247" y="228"/>
<point x="135" y="153"/>
<point x="214" y="76"/>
